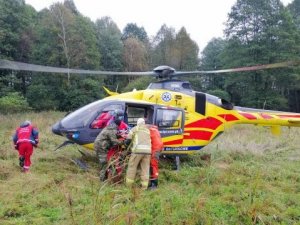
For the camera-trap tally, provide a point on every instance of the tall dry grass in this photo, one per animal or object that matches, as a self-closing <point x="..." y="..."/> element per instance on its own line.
<point x="252" y="178"/>
<point x="256" y="139"/>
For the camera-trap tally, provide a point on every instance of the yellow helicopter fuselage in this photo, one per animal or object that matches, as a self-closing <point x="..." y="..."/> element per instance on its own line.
<point x="204" y="117"/>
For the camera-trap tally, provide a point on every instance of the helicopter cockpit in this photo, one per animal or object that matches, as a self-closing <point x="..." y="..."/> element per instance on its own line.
<point x="84" y="124"/>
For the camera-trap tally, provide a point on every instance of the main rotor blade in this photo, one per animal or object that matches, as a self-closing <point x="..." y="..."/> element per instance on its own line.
<point x="161" y="71"/>
<point x="19" y="66"/>
<point x="241" y="69"/>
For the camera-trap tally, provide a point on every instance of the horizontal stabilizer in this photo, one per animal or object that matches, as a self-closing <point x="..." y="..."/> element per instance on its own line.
<point x="276" y="130"/>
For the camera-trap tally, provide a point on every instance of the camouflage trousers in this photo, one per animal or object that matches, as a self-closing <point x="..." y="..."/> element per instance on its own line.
<point x="101" y="155"/>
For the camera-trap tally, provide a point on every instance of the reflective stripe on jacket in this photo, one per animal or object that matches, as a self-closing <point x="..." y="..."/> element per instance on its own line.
<point x="26" y="134"/>
<point x="141" y="141"/>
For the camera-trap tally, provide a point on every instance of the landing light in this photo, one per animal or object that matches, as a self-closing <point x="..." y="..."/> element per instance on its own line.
<point x="75" y="136"/>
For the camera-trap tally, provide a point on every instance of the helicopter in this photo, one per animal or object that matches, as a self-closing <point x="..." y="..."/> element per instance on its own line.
<point x="187" y="120"/>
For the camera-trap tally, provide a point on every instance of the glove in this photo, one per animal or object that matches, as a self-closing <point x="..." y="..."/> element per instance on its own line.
<point x="127" y="142"/>
<point x="16" y="147"/>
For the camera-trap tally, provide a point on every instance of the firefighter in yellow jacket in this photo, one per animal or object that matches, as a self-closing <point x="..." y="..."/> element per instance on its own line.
<point x="140" y="153"/>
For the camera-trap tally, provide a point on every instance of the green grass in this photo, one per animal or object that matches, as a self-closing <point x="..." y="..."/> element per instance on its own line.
<point x="253" y="178"/>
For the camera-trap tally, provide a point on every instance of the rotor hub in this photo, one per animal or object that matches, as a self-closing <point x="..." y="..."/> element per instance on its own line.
<point x="164" y="72"/>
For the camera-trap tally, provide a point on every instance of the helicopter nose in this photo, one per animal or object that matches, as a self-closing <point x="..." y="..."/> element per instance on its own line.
<point x="56" y="128"/>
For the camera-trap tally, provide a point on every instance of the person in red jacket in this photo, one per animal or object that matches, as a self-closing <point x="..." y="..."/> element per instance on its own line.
<point x="156" y="148"/>
<point x="25" y="138"/>
<point x="102" y="120"/>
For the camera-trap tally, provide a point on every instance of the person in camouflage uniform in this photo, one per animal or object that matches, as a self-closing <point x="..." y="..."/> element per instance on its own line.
<point x="106" y="139"/>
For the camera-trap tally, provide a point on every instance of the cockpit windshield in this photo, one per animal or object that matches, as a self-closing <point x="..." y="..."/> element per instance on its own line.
<point x="81" y="117"/>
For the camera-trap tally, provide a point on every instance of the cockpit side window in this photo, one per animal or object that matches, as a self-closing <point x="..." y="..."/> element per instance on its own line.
<point x="105" y="115"/>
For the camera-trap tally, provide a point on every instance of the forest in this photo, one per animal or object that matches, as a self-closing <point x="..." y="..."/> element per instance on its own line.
<point x="257" y="32"/>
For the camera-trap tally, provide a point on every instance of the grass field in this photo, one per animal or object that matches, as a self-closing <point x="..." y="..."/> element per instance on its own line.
<point x="252" y="178"/>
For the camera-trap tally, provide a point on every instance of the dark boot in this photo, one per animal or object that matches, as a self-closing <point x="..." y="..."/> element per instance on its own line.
<point x="21" y="161"/>
<point x="153" y="184"/>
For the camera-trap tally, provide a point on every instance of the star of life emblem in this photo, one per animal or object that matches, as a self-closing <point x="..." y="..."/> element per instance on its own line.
<point x="166" y="96"/>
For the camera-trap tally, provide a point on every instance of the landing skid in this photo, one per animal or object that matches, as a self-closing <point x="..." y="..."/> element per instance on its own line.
<point x="78" y="162"/>
<point x="81" y="152"/>
<point x="64" y="144"/>
<point x="81" y="164"/>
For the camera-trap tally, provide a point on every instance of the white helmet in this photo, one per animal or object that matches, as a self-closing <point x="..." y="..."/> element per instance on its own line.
<point x="140" y="121"/>
<point x="25" y="123"/>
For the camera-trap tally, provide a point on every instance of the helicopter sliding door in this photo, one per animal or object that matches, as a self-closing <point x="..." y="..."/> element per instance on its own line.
<point x="170" y="122"/>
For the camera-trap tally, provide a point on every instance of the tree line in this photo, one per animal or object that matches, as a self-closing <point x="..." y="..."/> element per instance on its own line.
<point x="257" y="32"/>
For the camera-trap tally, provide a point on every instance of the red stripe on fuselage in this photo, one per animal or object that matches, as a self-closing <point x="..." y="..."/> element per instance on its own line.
<point x="228" y="117"/>
<point x="248" y="116"/>
<point x="175" y="142"/>
<point x="209" y="123"/>
<point x="193" y="134"/>
<point x="198" y="134"/>
<point x="266" y="116"/>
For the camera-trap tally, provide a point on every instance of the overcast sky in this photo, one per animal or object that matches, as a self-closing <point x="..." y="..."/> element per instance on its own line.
<point x="203" y="19"/>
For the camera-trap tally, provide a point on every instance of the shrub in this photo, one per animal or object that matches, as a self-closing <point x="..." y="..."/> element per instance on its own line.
<point x="13" y="103"/>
